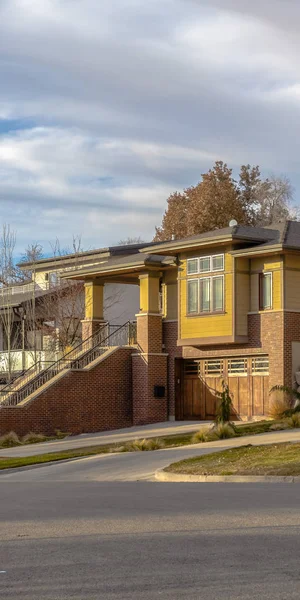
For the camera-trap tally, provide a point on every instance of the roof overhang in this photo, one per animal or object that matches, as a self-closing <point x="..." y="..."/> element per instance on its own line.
<point x="129" y="268"/>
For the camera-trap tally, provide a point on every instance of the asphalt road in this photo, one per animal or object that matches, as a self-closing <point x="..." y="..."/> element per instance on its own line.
<point x="88" y="529"/>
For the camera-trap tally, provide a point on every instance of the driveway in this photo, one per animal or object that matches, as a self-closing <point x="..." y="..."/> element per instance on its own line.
<point x="134" y="466"/>
<point x="107" y="437"/>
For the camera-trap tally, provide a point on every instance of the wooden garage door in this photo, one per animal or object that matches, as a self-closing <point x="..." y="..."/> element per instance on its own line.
<point x="247" y="379"/>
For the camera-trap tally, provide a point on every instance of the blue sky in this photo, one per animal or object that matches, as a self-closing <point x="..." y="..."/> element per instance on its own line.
<point x="106" y="107"/>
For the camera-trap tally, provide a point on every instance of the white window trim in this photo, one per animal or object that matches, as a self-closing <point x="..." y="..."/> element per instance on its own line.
<point x="204" y="258"/>
<point x="210" y="269"/>
<point x="217" y="256"/>
<point x="188" y="261"/>
<point x="187" y="297"/>
<point x="205" y="312"/>
<point x="269" y="307"/>
<point x="211" y="293"/>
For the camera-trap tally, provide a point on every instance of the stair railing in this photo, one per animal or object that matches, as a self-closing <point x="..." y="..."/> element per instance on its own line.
<point x="77" y="358"/>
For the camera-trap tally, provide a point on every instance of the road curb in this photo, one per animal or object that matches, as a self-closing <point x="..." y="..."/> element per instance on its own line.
<point x="162" y="475"/>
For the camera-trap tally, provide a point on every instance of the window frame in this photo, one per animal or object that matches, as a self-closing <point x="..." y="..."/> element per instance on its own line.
<point x="187" y="296"/>
<point x="211" y="361"/>
<point x="223" y="263"/>
<point x="210" y="257"/>
<point x="209" y="312"/>
<point x="238" y="373"/>
<point x="261" y="290"/>
<point x="255" y="373"/>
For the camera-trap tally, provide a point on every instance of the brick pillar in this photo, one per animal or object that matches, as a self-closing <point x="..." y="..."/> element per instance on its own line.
<point x="149" y="369"/>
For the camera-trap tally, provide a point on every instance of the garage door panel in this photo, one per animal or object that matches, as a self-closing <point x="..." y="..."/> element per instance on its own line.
<point x="210" y="387"/>
<point x="243" y="396"/>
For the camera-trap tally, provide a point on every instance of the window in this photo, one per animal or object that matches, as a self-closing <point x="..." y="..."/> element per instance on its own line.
<point x="217" y="293"/>
<point x="192" y="292"/>
<point x="218" y="262"/>
<point x="205" y="264"/>
<point x="260" y="365"/>
<point x="205" y="294"/>
<point x="213" y="367"/>
<point x="237" y="366"/>
<point x="265" y="291"/>
<point x="192" y="266"/>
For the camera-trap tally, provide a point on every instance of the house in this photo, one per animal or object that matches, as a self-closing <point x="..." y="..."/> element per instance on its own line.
<point x="219" y="306"/>
<point x="40" y="318"/>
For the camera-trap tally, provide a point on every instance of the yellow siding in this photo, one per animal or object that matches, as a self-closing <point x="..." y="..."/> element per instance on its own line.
<point x="242" y="295"/>
<point x="207" y="326"/>
<point x="149" y="293"/>
<point x="170" y="292"/>
<point x="93" y="301"/>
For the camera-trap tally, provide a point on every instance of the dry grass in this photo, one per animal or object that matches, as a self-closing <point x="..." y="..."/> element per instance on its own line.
<point x="33" y="438"/>
<point x="279" y="404"/>
<point x="222" y="431"/>
<point x="145" y="445"/>
<point x="201" y="435"/>
<point x="9" y="440"/>
<point x="293" y="421"/>
<point x="275" y="459"/>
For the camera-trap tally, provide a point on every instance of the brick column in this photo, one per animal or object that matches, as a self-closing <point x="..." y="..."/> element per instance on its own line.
<point x="149" y="369"/>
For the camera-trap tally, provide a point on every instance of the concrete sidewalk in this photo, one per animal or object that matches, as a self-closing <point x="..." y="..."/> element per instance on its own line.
<point x="107" y="437"/>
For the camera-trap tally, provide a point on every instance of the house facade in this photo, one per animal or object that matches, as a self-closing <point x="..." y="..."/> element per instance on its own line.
<point x="222" y="306"/>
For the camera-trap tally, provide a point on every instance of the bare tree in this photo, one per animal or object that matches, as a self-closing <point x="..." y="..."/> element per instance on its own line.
<point x="131" y="240"/>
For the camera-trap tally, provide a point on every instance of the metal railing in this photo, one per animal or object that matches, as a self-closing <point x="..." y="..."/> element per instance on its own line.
<point x="78" y="358"/>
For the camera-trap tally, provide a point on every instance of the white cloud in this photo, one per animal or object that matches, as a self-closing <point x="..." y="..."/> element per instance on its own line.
<point x="116" y="104"/>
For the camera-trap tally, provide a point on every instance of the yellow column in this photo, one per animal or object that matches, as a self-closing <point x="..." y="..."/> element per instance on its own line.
<point x="94" y="293"/>
<point x="149" y="293"/>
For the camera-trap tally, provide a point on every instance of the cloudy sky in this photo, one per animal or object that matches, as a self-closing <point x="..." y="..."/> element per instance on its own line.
<point x="107" y="106"/>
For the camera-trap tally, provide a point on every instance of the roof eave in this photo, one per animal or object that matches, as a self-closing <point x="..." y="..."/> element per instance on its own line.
<point x="257" y="251"/>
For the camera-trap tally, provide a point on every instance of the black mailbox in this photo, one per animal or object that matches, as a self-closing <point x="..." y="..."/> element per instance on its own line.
<point x="159" y="391"/>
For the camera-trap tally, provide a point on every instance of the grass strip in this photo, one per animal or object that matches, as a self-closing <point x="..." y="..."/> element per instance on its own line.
<point x="273" y="459"/>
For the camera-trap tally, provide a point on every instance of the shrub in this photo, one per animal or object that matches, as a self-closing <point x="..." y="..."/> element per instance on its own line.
<point x="280" y="403"/>
<point x="293" y="421"/>
<point x="146" y="445"/>
<point x="9" y="440"/>
<point x="117" y="449"/>
<point x="285" y="401"/>
<point x="201" y="436"/>
<point x="60" y="434"/>
<point x="33" y="438"/>
<point x="279" y="426"/>
<point x="221" y="431"/>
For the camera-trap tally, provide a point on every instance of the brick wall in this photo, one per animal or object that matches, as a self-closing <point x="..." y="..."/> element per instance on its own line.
<point x="147" y="371"/>
<point x="291" y="334"/>
<point x="83" y="401"/>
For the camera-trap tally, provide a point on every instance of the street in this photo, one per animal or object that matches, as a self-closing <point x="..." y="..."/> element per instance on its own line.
<point x="101" y="527"/>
